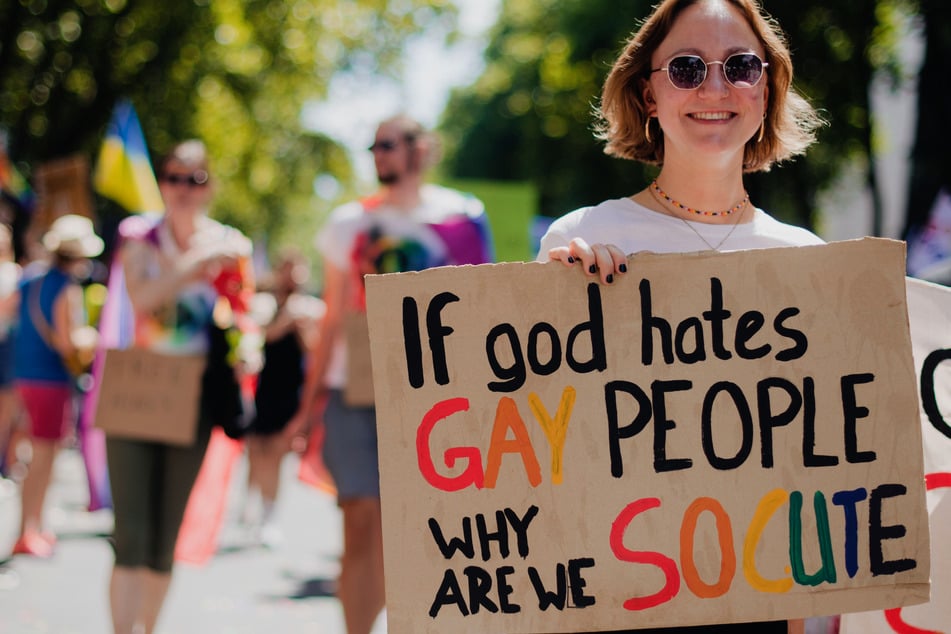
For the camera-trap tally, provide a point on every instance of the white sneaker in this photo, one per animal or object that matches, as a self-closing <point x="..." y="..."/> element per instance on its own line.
<point x="270" y="536"/>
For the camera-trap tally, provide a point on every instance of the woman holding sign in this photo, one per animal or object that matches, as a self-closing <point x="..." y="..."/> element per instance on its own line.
<point x="183" y="273"/>
<point x="704" y="90"/>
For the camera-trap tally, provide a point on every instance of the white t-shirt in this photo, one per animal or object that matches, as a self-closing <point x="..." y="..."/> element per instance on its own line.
<point x="632" y="228"/>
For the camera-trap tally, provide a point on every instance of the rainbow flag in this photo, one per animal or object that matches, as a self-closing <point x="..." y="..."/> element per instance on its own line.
<point x="123" y="171"/>
<point x="13" y="183"/>
<point x="116" y="330"/>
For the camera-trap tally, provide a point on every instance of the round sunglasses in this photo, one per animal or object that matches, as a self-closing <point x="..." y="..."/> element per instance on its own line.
<point x="196" y="179"/>
<point x="687" y="72"/>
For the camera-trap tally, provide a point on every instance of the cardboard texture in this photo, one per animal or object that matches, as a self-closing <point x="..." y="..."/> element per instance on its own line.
<point x="714" y="438"/>
<point x="145" y="395"/>
<point x="62" y="187"/>
<point x="929" y="313"/>
<point x="358" y="391"/>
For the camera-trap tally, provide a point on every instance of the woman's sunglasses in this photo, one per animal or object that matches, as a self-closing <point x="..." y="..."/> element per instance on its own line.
<point x="197" y="179"/>
<point x="687" y="72"/>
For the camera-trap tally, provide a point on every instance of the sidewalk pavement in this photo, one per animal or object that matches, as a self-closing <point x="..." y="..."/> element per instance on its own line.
<point x="245" y="589"/>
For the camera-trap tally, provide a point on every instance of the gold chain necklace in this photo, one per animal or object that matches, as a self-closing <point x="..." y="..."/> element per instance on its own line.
<point x="739" y="216"/>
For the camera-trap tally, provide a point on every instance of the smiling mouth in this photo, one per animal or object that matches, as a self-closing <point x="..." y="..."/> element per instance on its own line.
<point x="712" y="116"/>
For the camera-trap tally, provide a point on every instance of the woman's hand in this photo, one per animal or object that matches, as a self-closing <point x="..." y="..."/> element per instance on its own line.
<point x="206" y="261"/>
<point x="604" y="260"/>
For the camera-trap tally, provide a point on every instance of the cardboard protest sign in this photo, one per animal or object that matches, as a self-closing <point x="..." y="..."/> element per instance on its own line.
<point x="359" y="389"/>
<point x="145" y="395"/>
<point x="929" y="313"/>
<point x="713" y="438"/>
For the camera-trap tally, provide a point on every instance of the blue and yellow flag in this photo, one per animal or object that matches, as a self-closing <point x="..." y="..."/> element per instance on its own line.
<point x="123" y="171"/>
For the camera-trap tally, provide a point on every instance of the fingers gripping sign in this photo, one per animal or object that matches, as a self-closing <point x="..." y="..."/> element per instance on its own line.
<point x="603" y="260"/>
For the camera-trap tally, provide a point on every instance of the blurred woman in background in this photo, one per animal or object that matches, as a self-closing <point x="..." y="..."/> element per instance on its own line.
<point x="51" y="315"/>
<point x="173" y="268"/>
<point x="287" y="317"/>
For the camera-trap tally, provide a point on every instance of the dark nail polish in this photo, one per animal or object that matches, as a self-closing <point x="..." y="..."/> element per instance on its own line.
<point x="610" y="278"/>
<point x="571" y="260"/>
<point x="593" y="268"/>
<point x="622" y="268"/>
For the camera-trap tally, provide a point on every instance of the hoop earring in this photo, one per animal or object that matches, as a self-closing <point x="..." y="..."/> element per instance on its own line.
<point x="647" y="130"/>
<point x="762" y="130"/>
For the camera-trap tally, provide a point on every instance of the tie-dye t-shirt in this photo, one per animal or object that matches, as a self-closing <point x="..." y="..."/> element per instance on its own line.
<point x="182" y="327"/>
<point x="366" y="237"/>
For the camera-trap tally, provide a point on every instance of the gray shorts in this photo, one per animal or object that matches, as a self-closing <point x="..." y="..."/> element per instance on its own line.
<point x="350" y="448"/>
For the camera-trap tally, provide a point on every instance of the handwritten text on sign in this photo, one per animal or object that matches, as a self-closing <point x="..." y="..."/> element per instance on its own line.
<point x="713" y="438"/>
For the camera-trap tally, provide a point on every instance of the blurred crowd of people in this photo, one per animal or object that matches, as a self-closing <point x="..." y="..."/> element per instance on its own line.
<point x="185" y="284"/>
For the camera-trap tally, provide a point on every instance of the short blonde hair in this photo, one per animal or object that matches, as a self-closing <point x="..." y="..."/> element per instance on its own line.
<point x="790" y="123"/>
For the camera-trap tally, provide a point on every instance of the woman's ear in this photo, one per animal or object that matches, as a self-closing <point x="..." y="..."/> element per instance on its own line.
<point x="647" y="94"/>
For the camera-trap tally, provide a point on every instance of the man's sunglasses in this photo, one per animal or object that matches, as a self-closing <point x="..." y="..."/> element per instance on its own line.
<point x="383" y="146"/>
<point x="687" y="72"/>
<point x="197" y="179"/>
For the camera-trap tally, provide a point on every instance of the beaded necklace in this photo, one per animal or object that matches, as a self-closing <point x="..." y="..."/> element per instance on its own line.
<point x="700" y="235"/>
<point x="660" y="192"/>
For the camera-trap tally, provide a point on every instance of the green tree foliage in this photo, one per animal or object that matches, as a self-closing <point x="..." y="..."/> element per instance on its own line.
<point x="837" y="49"/>
<point x="528" y="117"/>
<point x="235" y="73"/>
<point x="530" y="114"/>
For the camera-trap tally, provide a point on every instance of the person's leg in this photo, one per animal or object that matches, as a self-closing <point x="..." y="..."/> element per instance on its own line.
<point x="155" y="586"/>
<point x="274" y="448"/>
<point x="351" y="454"/>
<point x="125" y="598"/>
<point x="132" y="469"/>
<point x="251" y="511"/>
<point x="272" y="451"/>
<point x="50" y="411"/>
<point x="8" y="399"/>
<point x="361" y="588"/>
<point x="16" y="465"/>
<point x="136" y="596"/>
<point x="177" y="470"/>
<point x="33" y="496"/>
<point x="268" y="451"/>
<point x="8" y="419"/>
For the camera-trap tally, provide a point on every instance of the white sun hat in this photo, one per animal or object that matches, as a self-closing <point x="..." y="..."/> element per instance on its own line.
<point x="73" y="236"/>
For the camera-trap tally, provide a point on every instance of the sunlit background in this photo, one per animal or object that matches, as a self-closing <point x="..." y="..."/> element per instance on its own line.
<point x="287" y="93"/>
